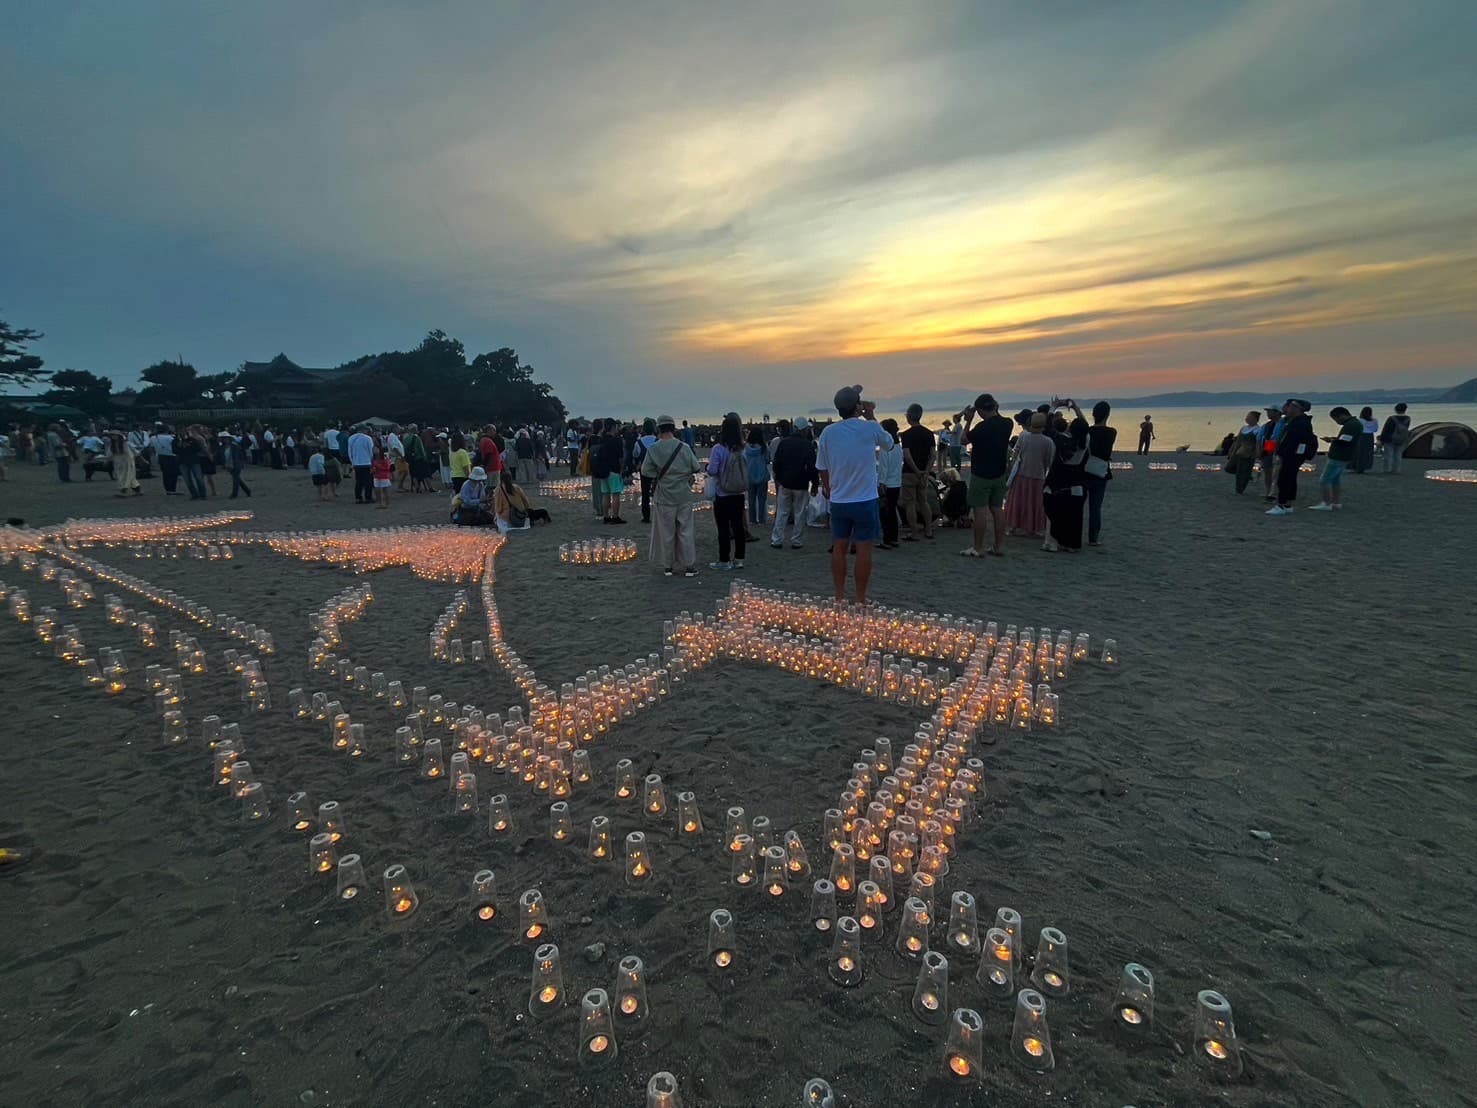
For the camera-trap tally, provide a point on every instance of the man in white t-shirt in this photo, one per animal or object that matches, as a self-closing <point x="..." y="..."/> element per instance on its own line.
<point x="361" y="457"/>
<point x="162" y="443"/>
<point x="846" y="458"/>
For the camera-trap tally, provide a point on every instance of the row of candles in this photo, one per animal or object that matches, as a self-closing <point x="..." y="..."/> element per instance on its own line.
<point x="208" y="551"/>
<point x="108" y="671"/>
<point x="433" y="553"/>
<point x="578" y="488"/>
<point x="595" y="552"/>
<point x="87" y="532"/>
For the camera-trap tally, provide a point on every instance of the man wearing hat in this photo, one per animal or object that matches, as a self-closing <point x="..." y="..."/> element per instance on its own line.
<point x="669" y="464"/>
<point x="846" y="460"/>
<point x="795" y="478"/>
<point x="1297" y="444"/>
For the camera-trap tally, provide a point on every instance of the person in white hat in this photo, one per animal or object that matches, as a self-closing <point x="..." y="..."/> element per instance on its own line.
<point x="669" y="464"/>
<point x="474" y="498"/>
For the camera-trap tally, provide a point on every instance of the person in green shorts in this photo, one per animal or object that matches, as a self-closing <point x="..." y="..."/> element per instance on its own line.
<point x="989" y="463"/>
<point x="1342" y="449"/>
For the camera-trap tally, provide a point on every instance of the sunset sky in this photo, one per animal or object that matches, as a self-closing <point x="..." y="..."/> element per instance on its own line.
<point x="700" y="205"/>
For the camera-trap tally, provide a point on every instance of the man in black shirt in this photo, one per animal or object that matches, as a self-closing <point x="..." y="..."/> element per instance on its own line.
<point x="795" y="481"/>
<point x="1296" y="445"/>
<point x="989" y="459"/>
<point x="918" y="448"/>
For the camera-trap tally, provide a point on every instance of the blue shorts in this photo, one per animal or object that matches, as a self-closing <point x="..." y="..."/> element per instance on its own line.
<point x="858" y="522"/>
<point x="1333" y="474"/>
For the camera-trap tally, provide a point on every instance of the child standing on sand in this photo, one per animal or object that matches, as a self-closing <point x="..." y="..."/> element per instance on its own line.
<point x="381" y="470"/>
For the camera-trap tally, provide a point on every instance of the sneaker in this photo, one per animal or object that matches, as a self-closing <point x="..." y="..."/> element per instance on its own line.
<point x="1321" y="508"/>
<point x="776" y="546"/>
<point x="736" y="564"/>
<point x="666" y="573"/>
<point x="797" y="545"/>
<point x="1279" y="511"/>
<point x="689" y="573"/>
<point x="720" y="565"/>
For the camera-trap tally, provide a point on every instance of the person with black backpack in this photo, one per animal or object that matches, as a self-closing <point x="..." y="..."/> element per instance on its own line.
<point x="1296" y="445"/>
<point x="730" y="473"/>
<point x="1393" y="437"/>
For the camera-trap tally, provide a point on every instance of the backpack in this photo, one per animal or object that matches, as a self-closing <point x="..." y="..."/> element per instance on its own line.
<point x="1400" y="433"/>
<point x="733" y="478"/>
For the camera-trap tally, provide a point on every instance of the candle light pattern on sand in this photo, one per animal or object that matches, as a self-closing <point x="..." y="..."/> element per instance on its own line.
<point x="598" y="552"/>
<point x="896" y="814"/>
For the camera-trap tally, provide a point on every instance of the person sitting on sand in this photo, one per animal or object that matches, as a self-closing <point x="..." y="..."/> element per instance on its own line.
<point x="955" y="499"/>
<point x="511" y="507"/>
<point x="472" y="504"/>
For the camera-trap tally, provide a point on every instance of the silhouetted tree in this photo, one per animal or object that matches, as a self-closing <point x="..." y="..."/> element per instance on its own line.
<point x="170" y="385"/>
<point x="17" y="367"/>
<point x="81" y="389"/>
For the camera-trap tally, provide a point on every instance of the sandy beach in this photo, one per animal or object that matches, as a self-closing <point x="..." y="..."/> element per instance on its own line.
<point x="1271" y="796"/>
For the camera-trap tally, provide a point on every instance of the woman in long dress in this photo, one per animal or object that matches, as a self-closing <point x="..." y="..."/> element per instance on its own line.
<point x="125" y="465"/>
<point x="1066" y="493"/>
<point x="1025" y="506"/>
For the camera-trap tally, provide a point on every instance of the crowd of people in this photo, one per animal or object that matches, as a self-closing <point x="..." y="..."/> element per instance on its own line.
<point x="1042" y="474"/>
<point x="1282" y="443"/>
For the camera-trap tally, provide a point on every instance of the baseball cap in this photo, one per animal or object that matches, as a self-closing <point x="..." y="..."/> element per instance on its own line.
<point x="1305" y="405"/>
<point x="984" y="402"/>
<point x="801" y="423"/>
<point x="847" y="398"/>
<point x="666" y="421"/>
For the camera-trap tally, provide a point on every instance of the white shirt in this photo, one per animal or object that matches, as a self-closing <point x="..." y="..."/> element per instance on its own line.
<point x="91" y="443"/>
<point x="393" y="444"/>
<point x="330" y="440"/>
<point x="847" y="453"/>
<point x="890" y="469"/>
<point x="361" y="449"/>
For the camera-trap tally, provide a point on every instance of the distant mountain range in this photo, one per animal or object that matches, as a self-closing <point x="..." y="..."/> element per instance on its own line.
<point x="1465" y="393"/>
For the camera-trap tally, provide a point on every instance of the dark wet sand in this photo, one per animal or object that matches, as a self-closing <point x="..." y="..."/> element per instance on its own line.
<point x="1309" y="677"/>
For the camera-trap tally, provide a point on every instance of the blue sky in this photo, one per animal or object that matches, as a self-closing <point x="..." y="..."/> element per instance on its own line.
<point x="695" y="205"/>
